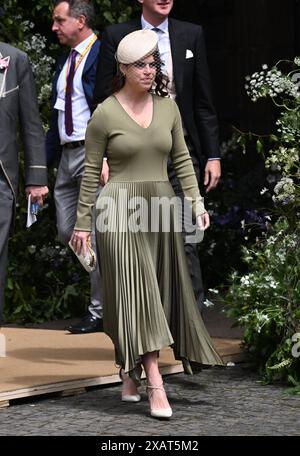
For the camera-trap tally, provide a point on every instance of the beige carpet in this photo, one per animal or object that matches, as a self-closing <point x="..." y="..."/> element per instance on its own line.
<point x="40" y="361"/>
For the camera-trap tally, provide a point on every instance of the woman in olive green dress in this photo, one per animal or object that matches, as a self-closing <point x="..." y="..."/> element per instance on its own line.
<point x="148" y="296"/>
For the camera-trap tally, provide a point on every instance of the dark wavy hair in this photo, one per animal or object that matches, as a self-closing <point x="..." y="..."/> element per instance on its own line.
<point x="160" y="83"/>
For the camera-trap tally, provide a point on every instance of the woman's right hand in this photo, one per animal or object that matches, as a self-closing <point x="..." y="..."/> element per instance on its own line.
<point x="203" y="221"/>
<point x="79" y="241"/>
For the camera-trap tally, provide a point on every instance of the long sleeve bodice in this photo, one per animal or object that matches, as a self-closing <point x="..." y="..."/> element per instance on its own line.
<point x="135" y="154"/>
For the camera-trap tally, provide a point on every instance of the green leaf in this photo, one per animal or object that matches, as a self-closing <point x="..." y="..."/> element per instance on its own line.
<point x="259" y="146"/>
<point x="109" y="17"/>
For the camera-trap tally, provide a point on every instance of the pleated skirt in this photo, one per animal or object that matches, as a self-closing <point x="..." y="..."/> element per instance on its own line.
<point x="149" y="301"/>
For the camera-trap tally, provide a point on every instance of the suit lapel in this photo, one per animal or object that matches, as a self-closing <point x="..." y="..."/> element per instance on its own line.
<point x="178" y="50"/>
<point x="62" y="61"/>
<point x="3" y="76"/>
<point x="93" y="54"/>
<point x="135" y="24"/>
<point x="2" y="82"/>
<point x="60" y="65"/>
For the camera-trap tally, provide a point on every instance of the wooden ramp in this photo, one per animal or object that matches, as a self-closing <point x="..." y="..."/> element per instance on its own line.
<point x="41" y="361"/>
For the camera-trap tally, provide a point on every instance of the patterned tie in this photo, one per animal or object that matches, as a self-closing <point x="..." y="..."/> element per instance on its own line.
<point x="68" y="96"/>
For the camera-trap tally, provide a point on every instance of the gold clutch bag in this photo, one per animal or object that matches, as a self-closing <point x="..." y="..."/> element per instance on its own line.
<point x="89" y="260"/>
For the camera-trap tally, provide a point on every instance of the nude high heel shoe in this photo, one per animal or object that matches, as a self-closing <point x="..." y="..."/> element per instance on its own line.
<point x="128" y="397"/>
<point x="165" y="413"/>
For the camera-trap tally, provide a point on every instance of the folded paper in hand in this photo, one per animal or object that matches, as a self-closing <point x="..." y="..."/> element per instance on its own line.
<point x="31" y="216"/>
<point x="88" y="260"/>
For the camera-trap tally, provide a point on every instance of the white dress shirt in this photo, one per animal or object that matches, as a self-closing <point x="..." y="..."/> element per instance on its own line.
<point x="164" y="47"/>
<point x="80" y="109"/>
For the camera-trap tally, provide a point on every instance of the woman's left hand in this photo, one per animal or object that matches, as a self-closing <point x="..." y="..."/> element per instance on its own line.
<point x="79" y="240"/>
<point x="203" y="221"/>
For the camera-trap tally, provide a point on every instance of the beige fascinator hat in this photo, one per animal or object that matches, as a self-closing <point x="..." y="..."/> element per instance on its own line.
<point x="136" y="45"/>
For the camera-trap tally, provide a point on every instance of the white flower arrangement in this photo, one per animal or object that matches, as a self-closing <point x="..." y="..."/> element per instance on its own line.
<point x="35" y="45"/>
<point x="284" y="191"/>
<point x="271" y="83"/>
<point x="265" y="301"/>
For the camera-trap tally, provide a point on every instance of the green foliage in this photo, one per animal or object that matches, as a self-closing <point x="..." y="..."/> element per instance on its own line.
<point x="238" y="212"/>
<point x="40" y="14"/>
<point x="8" y="30"/>
<point x="116" y="11"/>
<point x="45" y="281"/>
<point x="265" y="301"/>
<point x="42" y="277"/>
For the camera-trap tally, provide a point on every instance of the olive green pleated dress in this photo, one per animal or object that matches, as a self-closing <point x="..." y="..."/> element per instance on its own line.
<point x="149" y="301"/>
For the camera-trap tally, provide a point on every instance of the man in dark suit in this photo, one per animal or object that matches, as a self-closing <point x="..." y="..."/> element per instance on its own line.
<point x="72" y="95"/>
<point x="18" y="107"/>
<point x="182" y="49"/>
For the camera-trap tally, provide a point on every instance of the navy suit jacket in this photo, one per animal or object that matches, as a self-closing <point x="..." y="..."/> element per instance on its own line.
<point x="191" y="76"/>
<point x="53" y="146"/>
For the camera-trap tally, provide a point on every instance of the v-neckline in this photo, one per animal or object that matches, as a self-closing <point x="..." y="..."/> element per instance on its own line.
<point x="132" y="119"/>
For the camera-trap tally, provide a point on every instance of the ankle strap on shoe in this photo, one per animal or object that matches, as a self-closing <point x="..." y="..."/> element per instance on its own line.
<point x="152" y="388"/>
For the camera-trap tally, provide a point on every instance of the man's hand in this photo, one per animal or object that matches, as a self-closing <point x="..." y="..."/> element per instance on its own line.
<point x="37" y="193"/>
<point x="104" y="173"/>
<point x="212" y="174"/>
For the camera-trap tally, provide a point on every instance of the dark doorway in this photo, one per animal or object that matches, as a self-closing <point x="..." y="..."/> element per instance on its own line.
<point x="241" y="35"/>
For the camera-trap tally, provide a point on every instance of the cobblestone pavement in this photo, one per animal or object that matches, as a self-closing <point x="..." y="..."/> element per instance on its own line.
<point x="214" y="402"/>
